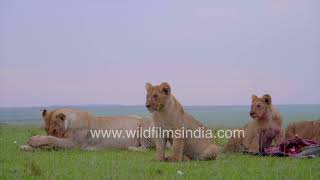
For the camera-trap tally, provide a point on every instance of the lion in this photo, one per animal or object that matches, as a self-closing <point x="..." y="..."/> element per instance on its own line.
<point x="71" y="129"/>
<point x="305" y="129"/>
<point x="265" y="117"/>
<point x="169" y="115"/>
<point x="234" y="144"/>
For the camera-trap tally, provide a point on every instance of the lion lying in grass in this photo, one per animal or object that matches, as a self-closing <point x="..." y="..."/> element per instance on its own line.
<point x="168" y="114"/>
<point x="69" y="129"/>
<point x="265" y="116"/>
<point x="305" y="129"/>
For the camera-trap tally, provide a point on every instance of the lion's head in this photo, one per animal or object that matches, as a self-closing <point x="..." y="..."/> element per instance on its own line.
<point x="157" y="96"/>
<point x="260" y="107"/>
<point x="54" y="123"/>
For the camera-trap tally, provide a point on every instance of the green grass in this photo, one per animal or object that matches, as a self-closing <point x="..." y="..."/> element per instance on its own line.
<point x="122" y="164"/>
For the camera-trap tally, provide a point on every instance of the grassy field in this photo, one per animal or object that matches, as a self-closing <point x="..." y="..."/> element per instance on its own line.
<point x="122" y="164"/>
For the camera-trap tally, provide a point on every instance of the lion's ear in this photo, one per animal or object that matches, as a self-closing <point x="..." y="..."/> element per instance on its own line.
<point x="165" y="87"/>
<point x="45" y="113"/>
<point x="148" y="86"/>
<point x="254" y="97"/>
<point x="61" y="116"/>
<point x="267" y="99"/>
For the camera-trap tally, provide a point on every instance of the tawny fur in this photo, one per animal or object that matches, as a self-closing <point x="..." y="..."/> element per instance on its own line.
<point x="68" y="129"/>
<point x="305" y="129"/>
<point x="234" y="144"/>
<point x="264" y="116"/>
<point x="168" y="114"/>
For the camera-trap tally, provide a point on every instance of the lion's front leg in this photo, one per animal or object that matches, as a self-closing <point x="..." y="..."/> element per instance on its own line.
<point x="279" y="137"/>
<point x="51" y="141"/>
<point x="160" y="149"/>
<point x="177" y="150"/>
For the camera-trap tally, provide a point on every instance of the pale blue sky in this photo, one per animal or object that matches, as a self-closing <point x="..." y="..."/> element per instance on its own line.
<point x="211" y="52"/>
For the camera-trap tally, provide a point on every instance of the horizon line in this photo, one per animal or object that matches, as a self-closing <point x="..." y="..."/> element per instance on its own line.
<point x="200" y="105"/>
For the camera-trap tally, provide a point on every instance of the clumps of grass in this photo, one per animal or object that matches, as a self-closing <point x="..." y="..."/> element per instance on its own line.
<point x="33" y="169"/>
<point x="33" y="132"/>
<point x="122" y="164"/>
<point x="158" y="171"/>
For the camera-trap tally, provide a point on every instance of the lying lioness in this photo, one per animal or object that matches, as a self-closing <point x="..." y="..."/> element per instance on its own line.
<point x="305" y="129"/>
<point x="168" y="114"/>
<point x="68" y="128"/>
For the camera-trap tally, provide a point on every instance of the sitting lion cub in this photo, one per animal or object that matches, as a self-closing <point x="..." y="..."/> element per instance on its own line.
<point x="168" y="114"/>
<point x="68" y="128"/>
<point x="265" y="117"/>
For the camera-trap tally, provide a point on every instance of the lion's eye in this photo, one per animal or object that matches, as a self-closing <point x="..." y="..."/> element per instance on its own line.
<point x="258" y="106"/>
<point x="155" y="96"/>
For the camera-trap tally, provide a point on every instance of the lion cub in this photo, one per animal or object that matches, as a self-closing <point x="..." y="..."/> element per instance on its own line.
<point x="304" y="129"/>
<point x="168" y="114"/>
<point x="265" y="117"/>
